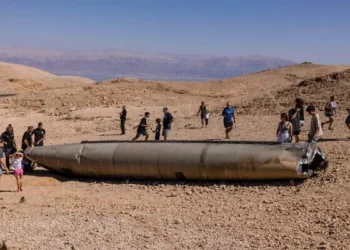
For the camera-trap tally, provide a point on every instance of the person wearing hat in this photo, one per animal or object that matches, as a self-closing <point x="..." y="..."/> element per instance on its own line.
<point x="167" y="121"/>
<point x="315" y="125"/>
<point x="17" y="169"/>
<point x="142" y="128"/>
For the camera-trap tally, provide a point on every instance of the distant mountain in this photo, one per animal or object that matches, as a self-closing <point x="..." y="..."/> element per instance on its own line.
<point x="105" y="64"/>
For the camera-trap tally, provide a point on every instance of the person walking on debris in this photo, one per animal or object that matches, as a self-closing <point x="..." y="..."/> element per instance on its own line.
<point x="123" y="119"/>
<point x="202" y="110"/>
<point x="229" y="118"/>
<point x="330" y="112"/>
<point x="27" y="142"/>
<point x="39" y="135"/>
<point x="158" y="129"/>
<point x="9" y="143"/>
<point x="284" y="129"/>
<point x="167" y="121"/>
<point x="142" y="128"/>
<point x="299" y="106"/>
<point x="315" y="125"/>
<point x="294" y="118"/>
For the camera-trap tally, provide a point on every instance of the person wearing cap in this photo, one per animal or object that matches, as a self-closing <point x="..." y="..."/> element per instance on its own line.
<point x="229" y="118"/>
<point x="142" y="128"/>
<point x="122" y="120"/>
<point x="167" y="121"/>
<point x="17" y="169"/>
<point x="315" y="125"/>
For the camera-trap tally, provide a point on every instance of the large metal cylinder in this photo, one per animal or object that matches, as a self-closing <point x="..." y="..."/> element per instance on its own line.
<point x="192" y="160"/>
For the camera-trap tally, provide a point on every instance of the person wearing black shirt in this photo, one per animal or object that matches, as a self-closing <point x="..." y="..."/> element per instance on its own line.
<point x="8" y="140"/>
<point x="122" y="120"/>
<point x="27" y="142"/>
<point x="142" y="129"/>
<point x="39" y="135"/>
<point x="167" y="121"/>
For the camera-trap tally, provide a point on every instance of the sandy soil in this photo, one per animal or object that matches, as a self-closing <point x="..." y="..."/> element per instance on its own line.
<point x="64" y="213"/>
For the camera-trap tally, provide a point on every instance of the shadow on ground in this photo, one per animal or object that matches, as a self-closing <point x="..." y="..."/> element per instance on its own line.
<point x="41" y="172"/>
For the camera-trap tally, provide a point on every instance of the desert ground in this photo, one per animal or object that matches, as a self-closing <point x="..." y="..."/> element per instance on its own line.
<point x="64" y="213"/>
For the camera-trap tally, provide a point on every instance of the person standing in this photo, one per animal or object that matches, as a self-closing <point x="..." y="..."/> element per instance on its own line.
<point x="2" y="160"/>
<point x="158" y="129"/>
<point x="123" y="119"/>
<point x="299" y="106"/>
<point x="9" y="143"/>
<point x="330" y="112"/>
<point x="27" y="142"/>
<point x="207" y="118"/>
<point x="167" y="121"/>
<point x="229" y="114"/>
<point x="315" y="126"/>
<point x="294" y="118"/>
<point x="39" y="135"/>
<point x="202" y="110"/>
<point x="142" y="128"/>
<point x="284" y="129"/>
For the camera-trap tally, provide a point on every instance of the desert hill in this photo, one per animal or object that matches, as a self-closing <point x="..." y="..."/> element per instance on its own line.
<point x="16" y="78"/>
<point x="315" y="91"/>
<point x="104" y="64"/>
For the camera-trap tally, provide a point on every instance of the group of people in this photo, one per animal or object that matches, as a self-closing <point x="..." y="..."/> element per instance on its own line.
<point x="12" y="158"/>
<point x="228" y="114"/>
<point x="142" y="128"/>
<point x="290" y="125"/>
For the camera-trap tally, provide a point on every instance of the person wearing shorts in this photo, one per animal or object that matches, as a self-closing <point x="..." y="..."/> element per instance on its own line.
<point x="202" y="110"/>
<point x="299" y="106"/>
<point x="167" y="121"/>
<point x="229" y="118"/>
<point x="330" y="112"/>
<point x="142" y="128"/>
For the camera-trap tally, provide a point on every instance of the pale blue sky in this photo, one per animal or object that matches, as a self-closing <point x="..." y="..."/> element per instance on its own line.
<point x="300" y="30"/>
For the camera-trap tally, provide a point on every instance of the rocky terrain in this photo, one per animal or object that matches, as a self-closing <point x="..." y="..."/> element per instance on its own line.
<point x="63" y="213"/>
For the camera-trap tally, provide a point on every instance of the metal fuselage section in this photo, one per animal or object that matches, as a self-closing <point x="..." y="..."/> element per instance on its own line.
<point x="191" y="160"/>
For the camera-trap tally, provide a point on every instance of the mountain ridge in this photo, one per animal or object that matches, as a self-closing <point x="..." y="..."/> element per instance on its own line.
<point x="106" y="64"/>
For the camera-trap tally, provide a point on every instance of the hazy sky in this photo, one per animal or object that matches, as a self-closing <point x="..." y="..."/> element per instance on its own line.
<point x="301" y="30"/>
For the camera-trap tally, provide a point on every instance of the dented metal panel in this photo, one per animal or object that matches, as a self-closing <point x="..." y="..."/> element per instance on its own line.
<point x="192" y="160"/>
